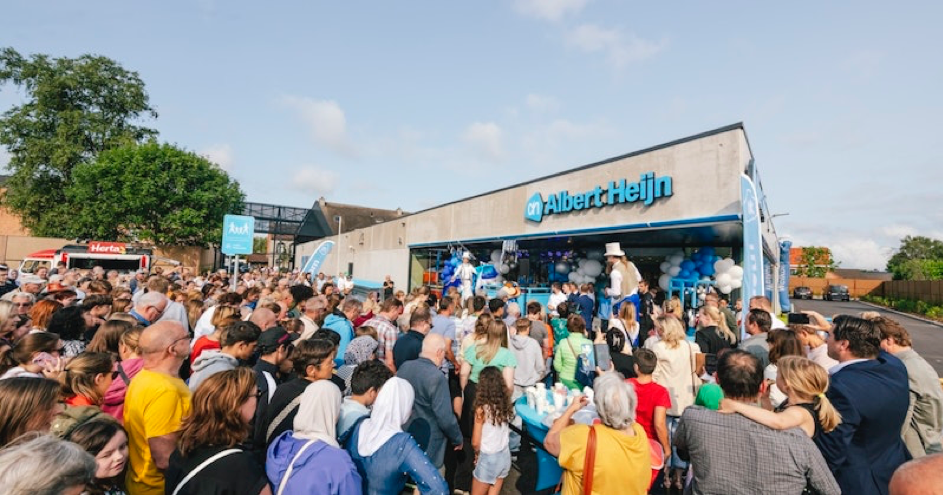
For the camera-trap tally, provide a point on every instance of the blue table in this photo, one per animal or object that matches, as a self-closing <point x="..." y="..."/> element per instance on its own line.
<point x="548" y="470"/>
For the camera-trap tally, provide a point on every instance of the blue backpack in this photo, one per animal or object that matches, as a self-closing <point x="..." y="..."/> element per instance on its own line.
<point x="585" y="374"/>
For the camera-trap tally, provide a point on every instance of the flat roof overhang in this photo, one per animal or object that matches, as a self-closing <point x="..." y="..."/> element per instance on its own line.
<point x="721" y="230"/>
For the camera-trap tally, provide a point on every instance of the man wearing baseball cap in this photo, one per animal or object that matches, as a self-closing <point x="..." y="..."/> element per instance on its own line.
<point x="272" y="369"/>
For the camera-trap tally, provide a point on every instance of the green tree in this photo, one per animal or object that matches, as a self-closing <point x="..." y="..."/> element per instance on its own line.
<point x="152" y="192"/>
<point x="910" y="260"/>
<point x="259" y="245"/>
<point x="73" y="110"/>
<point x="815" y="262"/>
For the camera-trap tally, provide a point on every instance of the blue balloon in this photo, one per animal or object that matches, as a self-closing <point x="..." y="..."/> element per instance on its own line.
<point x="708" y="252"/>
<point x="685" y="274"/>
<point x="488" y="272"/>
<point x="454" y="262"/>
<point x="687" y="265"/>
<point x="707" y="269"/>
<point x="697" y="257"/>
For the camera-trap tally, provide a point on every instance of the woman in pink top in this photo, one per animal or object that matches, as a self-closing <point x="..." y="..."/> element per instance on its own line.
<point x="129" y="365"/>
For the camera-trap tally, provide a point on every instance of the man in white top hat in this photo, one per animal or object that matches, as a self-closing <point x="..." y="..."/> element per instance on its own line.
<point x="623" y="278"/>
<point x="466" y="273"/>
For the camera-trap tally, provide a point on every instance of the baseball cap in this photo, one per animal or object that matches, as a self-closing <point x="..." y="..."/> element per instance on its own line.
<point x="274" y="337"/>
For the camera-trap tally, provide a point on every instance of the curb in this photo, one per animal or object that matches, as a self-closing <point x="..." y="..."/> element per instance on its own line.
<point x="920" y="318"/>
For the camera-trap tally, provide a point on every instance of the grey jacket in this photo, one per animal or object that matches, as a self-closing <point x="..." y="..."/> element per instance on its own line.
<point x="432" y="417"/>
<point x="531" y="365"/>
<point x="924" y="423"/>
<point x="208" y="364"/>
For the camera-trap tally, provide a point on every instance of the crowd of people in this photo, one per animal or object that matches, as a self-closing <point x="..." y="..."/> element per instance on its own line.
<point x="182" y="383"/>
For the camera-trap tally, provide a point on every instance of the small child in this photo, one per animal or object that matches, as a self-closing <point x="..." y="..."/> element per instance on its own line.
<point x="806" y="405"/>
<point x="491" y="435"/>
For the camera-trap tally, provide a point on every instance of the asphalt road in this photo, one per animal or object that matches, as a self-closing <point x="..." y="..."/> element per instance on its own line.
<point x="927" y="338"/>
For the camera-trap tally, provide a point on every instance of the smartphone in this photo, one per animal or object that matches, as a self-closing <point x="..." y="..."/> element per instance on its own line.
<point x="603" y="359"/>
<point x="44" y="358"/>
<point x="798" y="319"/>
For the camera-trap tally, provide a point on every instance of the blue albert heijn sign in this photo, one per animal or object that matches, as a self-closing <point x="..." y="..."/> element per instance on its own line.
<point x="648" y="189"/>
<point x="237" y="234"/>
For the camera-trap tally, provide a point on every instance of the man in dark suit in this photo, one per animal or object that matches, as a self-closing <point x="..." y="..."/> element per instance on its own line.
<point x="869" y="388"/>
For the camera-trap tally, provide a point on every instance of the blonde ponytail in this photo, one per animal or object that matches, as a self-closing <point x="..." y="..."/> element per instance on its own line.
<point x="809" y="381"/>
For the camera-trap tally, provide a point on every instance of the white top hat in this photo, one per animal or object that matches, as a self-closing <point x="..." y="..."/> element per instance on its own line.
<point x="467" y="255"/>
<point x="613" y="249"/>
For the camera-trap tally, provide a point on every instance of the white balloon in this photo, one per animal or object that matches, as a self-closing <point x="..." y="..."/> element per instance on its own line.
<point x="495" y="256"/>
<point x="679" y="253"/>
<point x="663" y="281"/>
<point x="581" y="271"/>
<point x="725" y="289"/>
<point x="562" y="267"/>
<point x="728" y="263"/>
<point x="736" y="272"/>
<point x="504" y="269"/>
<point x="665" y="265"/>
<point x="592" y="268"/>
<point x="719" y="267"/>
<point x="574" y="277"/>
<point x="736" y="283"/>
<point x="676" y="260"/>
<point x="723" y="279"/>
<point x="702" y="296"/>
<point x="674" y="270"/>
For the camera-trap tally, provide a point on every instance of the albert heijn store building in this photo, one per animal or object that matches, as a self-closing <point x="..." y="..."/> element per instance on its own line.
<point x="682" y="195"/>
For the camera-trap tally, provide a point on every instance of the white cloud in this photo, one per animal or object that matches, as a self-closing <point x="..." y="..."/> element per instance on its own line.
<point x="220" y="154"/>
<point x="540" y="103"/>
<point x="326" y="121"/>
<point x="860" y="253"/>
<point x="485" y="139"/>
<point x="314" y="179"/>
<point x="898" y="231"/>
<point x="549" y="10"/>
<point x="620" y="48"/>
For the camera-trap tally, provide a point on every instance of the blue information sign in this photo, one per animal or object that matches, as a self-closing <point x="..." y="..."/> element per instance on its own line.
<point x="237" y="234"/>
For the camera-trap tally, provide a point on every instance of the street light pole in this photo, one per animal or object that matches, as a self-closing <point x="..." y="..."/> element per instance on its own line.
<point x="340" y="225"/>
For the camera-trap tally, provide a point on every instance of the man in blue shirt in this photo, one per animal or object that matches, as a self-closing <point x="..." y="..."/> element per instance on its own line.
<point x="444" y="325"/>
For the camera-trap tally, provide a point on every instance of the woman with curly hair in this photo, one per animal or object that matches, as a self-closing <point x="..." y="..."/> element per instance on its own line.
<point x="209" y="456"/>
<point x="490" y="437"/>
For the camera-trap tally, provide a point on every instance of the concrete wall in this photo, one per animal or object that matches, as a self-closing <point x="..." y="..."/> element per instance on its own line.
<point x="705" y="178"/>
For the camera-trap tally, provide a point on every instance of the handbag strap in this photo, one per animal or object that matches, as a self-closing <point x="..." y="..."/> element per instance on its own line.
<point x="124" y="376"/>
<point x="291" y="466"/>
<point x="281" y="417"/>
<point x="203" y="465"/>
<point x="589" y="461"/>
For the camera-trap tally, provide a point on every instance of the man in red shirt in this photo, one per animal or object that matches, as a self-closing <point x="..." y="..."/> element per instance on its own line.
<point x="653" y="399"/>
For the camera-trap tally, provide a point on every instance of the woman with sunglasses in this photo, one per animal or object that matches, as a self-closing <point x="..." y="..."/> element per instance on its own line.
<point x="210" y="455"/>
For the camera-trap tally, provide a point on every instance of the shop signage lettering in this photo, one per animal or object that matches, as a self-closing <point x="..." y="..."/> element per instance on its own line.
<point x="98" y="247"/>
<point x="645" y="191"/>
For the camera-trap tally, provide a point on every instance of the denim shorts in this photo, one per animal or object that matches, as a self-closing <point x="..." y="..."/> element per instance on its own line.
<point x="492" y="467"/>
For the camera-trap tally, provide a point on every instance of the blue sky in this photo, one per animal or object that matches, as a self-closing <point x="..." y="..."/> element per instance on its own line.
<point x="412" y="104"/>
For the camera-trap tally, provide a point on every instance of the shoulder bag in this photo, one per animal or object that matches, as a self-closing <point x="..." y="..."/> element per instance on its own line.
<point x="203" y="465"/>
<point x="281" y="417"/>
<point x="584" y="372"/>
<point x="291" y="466"/>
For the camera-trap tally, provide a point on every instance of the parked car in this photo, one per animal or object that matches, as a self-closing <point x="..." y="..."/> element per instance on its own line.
<point x="802" y="293"/>
<point x="836" y="293"/>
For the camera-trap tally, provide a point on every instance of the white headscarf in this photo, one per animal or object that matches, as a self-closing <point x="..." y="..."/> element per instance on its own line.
<point x="392" y="408"/>
<point x="318" y="411"/>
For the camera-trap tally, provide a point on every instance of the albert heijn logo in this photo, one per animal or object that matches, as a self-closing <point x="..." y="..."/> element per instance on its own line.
<point x="534" y="211"/>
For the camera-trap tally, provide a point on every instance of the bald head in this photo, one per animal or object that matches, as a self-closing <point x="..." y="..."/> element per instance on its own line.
<point x="922" y="476"/>
<point x="164" y="346"/>
<point x="263" y="317"/>
<point x="433" y="348"/>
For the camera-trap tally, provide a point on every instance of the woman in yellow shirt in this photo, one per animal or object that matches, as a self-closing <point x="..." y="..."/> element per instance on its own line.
<point x="623" y="459"/>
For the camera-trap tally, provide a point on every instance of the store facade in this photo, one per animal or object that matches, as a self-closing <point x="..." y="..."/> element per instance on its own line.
<point x="679" y="197"/>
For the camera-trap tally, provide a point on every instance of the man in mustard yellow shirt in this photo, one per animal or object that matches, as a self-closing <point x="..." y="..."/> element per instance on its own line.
<point x="156" y="402"/>
<point x="623" y="459"/>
